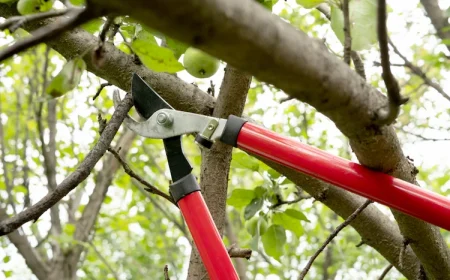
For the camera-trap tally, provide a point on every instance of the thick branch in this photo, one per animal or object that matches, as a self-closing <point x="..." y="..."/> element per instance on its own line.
<point x="79" y="175"/>
<point x="216" y="162"/>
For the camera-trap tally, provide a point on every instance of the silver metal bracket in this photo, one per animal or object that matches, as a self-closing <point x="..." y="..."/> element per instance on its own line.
<point x="166" y="123"/>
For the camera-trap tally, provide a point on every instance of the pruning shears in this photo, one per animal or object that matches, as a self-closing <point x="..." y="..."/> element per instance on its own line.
<point x="164" y="122"/>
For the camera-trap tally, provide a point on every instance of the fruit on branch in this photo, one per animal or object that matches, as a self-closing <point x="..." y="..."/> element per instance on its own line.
<point x="25" y="7"/>
<point x="200" y="64"/>
<point x="67" y="79"/>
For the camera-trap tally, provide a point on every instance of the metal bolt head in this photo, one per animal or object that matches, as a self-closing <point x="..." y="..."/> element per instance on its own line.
<point x="164" y="119"/>
<point x="210" y="127"/>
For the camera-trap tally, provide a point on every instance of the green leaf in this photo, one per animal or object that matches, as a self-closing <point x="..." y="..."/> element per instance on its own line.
<point x="67" y="79"/>
<point x="156" y="58"/>
<point x="78" y="2"/>
<point x="107" y="200"/>
<point x="7" y="273"/>
<point x="274" y="240"/>
<point x="241" y="197"/>
<point x="363" y="21"/>
<point x="309" y="4"/>
<point x="296" y="214"/>
<point x="6" y="259"/>
<point x="93" y="26"/>
<point x="446" y="42"/>
<point x="20" y="189"/>
<point x="177" y="47"/>
<point x="253" y="207"/>
<point x="288" y="222"/>
<point x="242" y="160"/>
<point x="69" y="229"/>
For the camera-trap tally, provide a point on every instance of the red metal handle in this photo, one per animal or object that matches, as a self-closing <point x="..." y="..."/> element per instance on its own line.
<point x="377" y="186"/>
<point x="206" y="237"/>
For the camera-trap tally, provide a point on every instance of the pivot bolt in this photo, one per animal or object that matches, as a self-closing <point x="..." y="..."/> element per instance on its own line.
<point x="164" y="119"/>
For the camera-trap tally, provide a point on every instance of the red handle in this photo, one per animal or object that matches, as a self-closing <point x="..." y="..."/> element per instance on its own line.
<point x="377" y="186"/>
<point x="206" y="237"/>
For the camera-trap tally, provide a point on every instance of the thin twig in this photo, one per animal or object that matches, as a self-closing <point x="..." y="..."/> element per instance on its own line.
<point x="104" y="261"/>
<point x="417" y="71"/>
<point x="424" y="138"/>
<point x="13" y="23"/>
<point x="359" y="65"/>
<point x="74" y="18"/>
<point x="332" y="236"/>
<point x="166" y="272"/>
<point x="234" y="252"/>
<point x="289" y="202"/>
<point x="102" y="36"/>
<point x="150" y="188"/>
<point x="347" y="33"/>
<point x="385" y="271"/>
<point x="102" y="86"/>
<point x="74" y="179"/>
<point x="386" y="116"/>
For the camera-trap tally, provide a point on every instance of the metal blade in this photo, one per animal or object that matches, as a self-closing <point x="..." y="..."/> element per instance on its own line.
<point x="146" y="100"/>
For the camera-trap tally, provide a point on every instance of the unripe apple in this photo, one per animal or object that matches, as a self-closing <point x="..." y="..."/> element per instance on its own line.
<point x="200" y="64"/>
<point x="25" y="7"/>
<point x="251" y="225"/>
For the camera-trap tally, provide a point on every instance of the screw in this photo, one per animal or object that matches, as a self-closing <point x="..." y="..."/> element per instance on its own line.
<point x="164" y="119"/>
<point x="210" y="127"/>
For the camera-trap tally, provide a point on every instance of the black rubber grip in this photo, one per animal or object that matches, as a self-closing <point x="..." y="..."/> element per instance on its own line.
<point x="232" y="129"/>
<point x="186" y="185"/>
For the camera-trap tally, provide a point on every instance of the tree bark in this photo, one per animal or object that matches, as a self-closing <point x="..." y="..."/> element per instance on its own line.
<point x="216" y="162"/>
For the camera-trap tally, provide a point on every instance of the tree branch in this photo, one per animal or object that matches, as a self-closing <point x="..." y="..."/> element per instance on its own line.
<point x="332" y="236"/>
<point x="438" y="18"/>
<point x="150" y="188"/>
<point x="216" y="161"/>
<point x="386" y="116"/>
<point x="347" y="33"/>
<point x="104" y="261"/>
<point x="85" y="225"/>
<point x="385" y="272"/>
<point x="418" y="72"/>
<point x="75" y="17"/>
<point x="14" y="23"/>
<point x="31" y="256"/>
<point x="100" y="88"/>
<point x="72" y="181"/>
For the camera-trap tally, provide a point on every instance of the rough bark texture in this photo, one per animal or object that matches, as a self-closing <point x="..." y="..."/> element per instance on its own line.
<point x="216" y="162"/>
<point x="289" y="59"/>
<point x="119" y="66"/>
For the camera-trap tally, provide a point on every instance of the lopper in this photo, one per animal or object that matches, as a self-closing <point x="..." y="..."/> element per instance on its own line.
<point x="163" y="122"/>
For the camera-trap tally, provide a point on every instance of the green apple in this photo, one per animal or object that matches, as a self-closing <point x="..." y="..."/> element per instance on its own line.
<point x="200" y="64"/>
<point x="25" y="7"/>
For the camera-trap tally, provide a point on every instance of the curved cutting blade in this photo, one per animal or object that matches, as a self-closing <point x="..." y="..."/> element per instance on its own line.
<point x="146" y="100"/>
